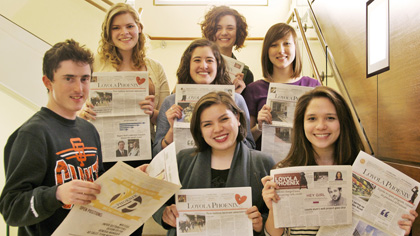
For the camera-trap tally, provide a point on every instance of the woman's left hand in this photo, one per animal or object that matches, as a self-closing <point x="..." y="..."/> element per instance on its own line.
<point x="257" y="220"/>
<point x="148" y="105"/>
<point x="239" y="83"/>
<point x="408" y="220"/>
<point x="142" y="168"/>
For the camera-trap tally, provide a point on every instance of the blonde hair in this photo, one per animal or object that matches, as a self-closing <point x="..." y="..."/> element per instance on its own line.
<point x="108" y="51"/>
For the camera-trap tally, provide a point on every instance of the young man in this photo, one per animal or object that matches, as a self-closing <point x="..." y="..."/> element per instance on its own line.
<point x="52" y="160"/>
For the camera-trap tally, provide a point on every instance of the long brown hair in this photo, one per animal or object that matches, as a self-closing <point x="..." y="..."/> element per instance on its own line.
<point x="348" y="144"/>
<point x="108" y="51"/>
<point x="212" y="18"/>
<point x="273" y="34"/>
<point x="183" y="73"/>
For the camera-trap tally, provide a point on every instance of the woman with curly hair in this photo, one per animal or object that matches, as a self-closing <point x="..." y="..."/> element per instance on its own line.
<point x="201" y="63"/>
<point x="227" y="28"/>
<point x="122" y="48"/>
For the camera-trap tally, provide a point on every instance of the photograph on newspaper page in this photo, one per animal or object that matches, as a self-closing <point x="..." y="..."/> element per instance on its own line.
<point x="233" y="66"/>
<point x="214" y="211"/>
<point x="124" y="127"/>
<point x="187" y="96"/>
<point x="276" y="140"/>
<point x="128" y="198"/>
<point x="282" y="99"/>
<point x="312" y="196"/>
<point x="124" y="138"/>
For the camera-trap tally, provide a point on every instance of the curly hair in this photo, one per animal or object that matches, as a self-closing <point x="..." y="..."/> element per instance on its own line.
<point x="212" y="18"/>
<point x="183" y="73"/>
<point x="347" y="146"/>
<point x="107" y="49"/>
<point x="273" y="34"/>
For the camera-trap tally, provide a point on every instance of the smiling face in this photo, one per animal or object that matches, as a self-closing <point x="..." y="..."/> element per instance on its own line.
<point x="226" y="33"/>
<point x="69" y="88"/>
<point x="219" y="127"/>
<point x="321" y="124"/>
<point x="282" y="53"/>
<point x="124" y="32"/>
<point x="203" y="65"/>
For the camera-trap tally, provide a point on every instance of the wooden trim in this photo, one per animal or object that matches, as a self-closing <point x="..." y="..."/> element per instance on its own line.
<point x="108" y="2"/>
<point x="96" y="5"/>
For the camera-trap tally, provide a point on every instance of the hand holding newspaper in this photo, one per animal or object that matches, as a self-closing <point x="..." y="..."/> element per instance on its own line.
<point x="233" y="66"/>
<point x="381" y="195"/>
<point x="312" y="196"/>
<point x="214" y="211"/>
<point x="128" y="198"/>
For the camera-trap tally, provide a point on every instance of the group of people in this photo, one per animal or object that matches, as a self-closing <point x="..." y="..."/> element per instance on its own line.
<point x="47" y="157"/>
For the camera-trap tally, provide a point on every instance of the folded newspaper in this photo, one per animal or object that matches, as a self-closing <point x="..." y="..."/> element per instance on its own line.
<point x="128" y="198"/>
<point x="233" y="66"/>
<point x="381" y="195"/>
<point x="312" y="196"/>
<point x="215" y="211"/>
<point x="276" y="138"/>
<point x="124" y="128"/>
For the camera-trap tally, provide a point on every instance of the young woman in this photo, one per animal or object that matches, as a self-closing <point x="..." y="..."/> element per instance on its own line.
<point x="220" y="158"/>
<point x="227" y="28"/>
<point x="201" y="63"/>
<point x="324" y="133"/>
<point x="281" y="63"/>
<point x="122" y="48"/>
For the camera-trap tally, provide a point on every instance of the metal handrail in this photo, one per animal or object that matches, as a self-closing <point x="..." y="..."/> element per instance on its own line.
<point x="336" y="72"/>
<point x="308" y="49"/>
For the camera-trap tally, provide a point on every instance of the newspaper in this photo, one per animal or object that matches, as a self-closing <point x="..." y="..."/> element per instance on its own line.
<point x="381" y="195"/>
<point x="187" y="96"/>
<point x="128" y="198"/>
<point x="276" y="140"/>
<point x="123" y="127"/>
<point x="233" y="66"/>
<point x="312" y="196"/>
<point x="276" y="137"/>
<point x="215" y="211"/>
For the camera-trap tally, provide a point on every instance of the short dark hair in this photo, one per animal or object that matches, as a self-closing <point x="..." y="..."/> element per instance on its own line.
<point x="273" y="34"/>
<point x="121" y="141"/>
<point x="205" y="102"/>
<point x="183" y="73"/>
<point x="63" y="51"/>
<point x="212" y="18"/>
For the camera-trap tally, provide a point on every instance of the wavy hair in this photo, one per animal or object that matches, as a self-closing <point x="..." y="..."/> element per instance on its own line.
<point x="205" y="102"/>
<point x="107" y="49"/>
<point x="347" y="146"/>
<point x="183" y="73"/>
<point x="273" y="34"/>
<point x="212" y="18"/>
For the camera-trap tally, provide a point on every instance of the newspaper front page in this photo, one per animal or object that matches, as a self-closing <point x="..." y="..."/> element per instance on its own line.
<point x="381" y="195"/>
<point x="128" y="198"/>
<point x="187" y="96"/>
<point x="123" y="127"/>
<point x="233" y="66"/>
<point x="276" y="138"/>
<point x="312" y="196"/>
<point x="215" y="211"/>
